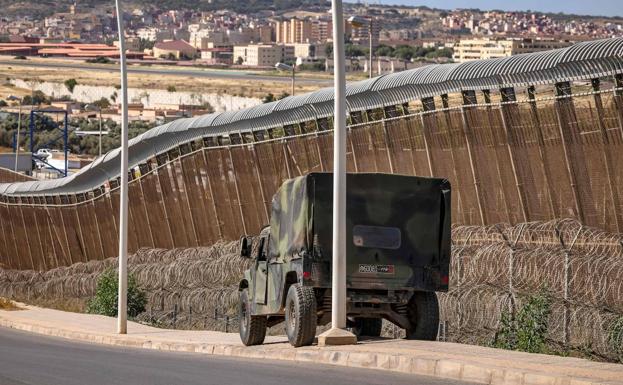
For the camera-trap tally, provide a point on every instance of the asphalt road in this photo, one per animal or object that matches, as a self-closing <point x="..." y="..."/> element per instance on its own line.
<point x="31" y="359"/>
<point x="207" y="73"/>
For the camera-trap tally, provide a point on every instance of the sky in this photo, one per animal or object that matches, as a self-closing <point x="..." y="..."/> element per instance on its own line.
<point x="583" y="7"/>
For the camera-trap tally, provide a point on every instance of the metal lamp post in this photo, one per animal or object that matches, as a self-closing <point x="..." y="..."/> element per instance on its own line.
<point x="358" y="22"/>
<point x="93" y="107"/>
<point x="122" y="315"/>
<point x="19" y="127"/>
<point x="286" y="67"/>
<point x="338" y="335"/>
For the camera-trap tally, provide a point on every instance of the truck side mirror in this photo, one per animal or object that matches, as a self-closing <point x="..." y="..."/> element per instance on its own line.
<point x="246" y="244"/>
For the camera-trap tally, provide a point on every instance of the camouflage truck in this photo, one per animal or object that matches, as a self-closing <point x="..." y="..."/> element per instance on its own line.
<point x="397" y="255"/>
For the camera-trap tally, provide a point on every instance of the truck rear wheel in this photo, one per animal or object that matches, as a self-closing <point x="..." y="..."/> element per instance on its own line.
<point x="252" y="328"/>
<point x="423" y="313"/>
<point x="370" y="327"/>
<point x="301" y="316"/>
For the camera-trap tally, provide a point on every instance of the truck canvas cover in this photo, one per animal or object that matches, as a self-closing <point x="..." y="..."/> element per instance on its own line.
<point x="397" y="227"/>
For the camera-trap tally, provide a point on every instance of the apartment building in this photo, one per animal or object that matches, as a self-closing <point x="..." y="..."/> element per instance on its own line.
<point x="262" y="55"/>
<point x="476" y="49"/>
<point x="293" y="31"/>
<point x="322" y="30"/>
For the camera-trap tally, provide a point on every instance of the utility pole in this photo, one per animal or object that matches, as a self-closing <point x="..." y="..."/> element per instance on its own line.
<point x="359" y="22"/>
<point x="286" y="67"/>
<point x="100" y="141"/>
<point x="122" y="316"/>
<point x="371" y="53"/>
<point x="19" y="127"/>
<point x="338" y="335"/>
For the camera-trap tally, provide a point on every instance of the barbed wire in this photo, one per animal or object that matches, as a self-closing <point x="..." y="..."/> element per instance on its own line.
<point x="493" y="269"/>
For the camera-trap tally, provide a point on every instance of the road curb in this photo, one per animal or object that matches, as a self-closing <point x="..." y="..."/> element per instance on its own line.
<point x="441" y="368"/>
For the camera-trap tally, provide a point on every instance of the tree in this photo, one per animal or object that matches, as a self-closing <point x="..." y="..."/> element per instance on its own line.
<point x="171" y="89"/>
<point x="102" y="104"/>
<point x="144" y="44"/>
<point x="240" y="60"/>
<point x="384" y="50"/>
<point x="352" y="50"/>
<point x="71" y="84"/>
<point x="3" y="103"/>
<point x="37" y="98"/>
<point x="328" y="50"/>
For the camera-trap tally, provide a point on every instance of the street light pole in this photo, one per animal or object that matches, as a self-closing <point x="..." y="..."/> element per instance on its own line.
<point x="122" y="315"/>
<point x="337" y="335"/>
<point x="286" y="67"/>
<point x="19" y="127"/>
<point x="100" y="143"/>
<point x="370" y="38"/>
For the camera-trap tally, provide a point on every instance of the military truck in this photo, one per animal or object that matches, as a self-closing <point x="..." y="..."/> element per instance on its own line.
<point x="397" y="255"/>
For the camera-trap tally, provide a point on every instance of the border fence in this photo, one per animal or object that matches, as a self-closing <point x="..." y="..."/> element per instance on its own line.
<point x="508" y="161"/>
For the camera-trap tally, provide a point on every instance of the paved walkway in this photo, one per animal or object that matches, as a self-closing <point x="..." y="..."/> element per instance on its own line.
<point x="446" y="360"/>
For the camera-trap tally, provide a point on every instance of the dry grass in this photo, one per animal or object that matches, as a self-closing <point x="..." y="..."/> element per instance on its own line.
<point x="7" y="90"/>
<point x="205" y="85"/>
<point x="8" y="305"/>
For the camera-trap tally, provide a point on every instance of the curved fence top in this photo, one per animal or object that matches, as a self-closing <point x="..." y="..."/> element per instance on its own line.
<point x="583" y="60"/>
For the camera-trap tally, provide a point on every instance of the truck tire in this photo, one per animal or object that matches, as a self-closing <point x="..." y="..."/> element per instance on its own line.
<point x="423" y="314"/>
<point x="370" y="327"/>
<point x="301" y="316"/>
<point x="252" y="328"/>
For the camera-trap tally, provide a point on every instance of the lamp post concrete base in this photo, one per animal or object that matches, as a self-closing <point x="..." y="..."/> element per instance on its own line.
<point x="335" y="336"/>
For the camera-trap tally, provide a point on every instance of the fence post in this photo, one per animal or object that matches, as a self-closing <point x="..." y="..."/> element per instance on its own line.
<point x="534" y="112"/>
<point x="618" y="101"/>
<point x="174" y="316"/>
<point x="233" y="169"/>
<point x="567" y="282"/>
<point x="260" y="180"/>
<point x="512" y="245"/>
<point x="563" y="91"/>
<point x="428" y="104"/>
<point x="387" y="143"/>
<point x="226" y="324"/>
<point x="461" y="196"/>
<point x="508" y="95"/>
<point x="469" y="98"/>
<point x="608" y="161"/>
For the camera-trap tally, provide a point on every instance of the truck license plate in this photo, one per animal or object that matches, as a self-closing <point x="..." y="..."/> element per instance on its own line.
<point x="376" y="269"/>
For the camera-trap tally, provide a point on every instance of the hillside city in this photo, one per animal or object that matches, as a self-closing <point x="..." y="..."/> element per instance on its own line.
<point x="260" y="39"/>
<point x="401" y="37"/>
<point x="311" y="192"/>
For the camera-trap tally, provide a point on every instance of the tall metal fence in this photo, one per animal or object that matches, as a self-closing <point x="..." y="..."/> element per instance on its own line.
<point x="10" y="176"/>
<point x="509" y="161"/>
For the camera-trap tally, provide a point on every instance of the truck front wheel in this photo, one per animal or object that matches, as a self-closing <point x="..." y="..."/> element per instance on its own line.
<point x="301" y="316"/>
<point x="423" y="313"/>
<point x="252" y="328"/>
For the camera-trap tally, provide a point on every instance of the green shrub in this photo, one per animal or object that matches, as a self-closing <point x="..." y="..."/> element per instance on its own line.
<point x="528" y="329"/>
<point x="71" y="84"/>
<point x="615" y="337"/>
<point x="106" y="299"/>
